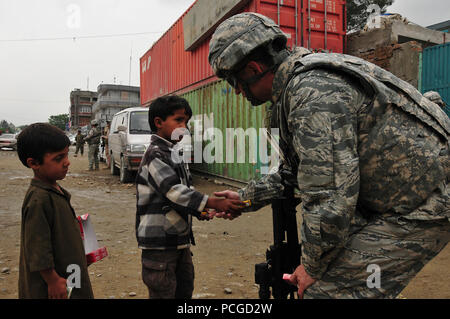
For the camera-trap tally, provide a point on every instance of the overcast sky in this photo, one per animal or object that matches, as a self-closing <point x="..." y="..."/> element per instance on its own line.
<point x="50" y="47"/>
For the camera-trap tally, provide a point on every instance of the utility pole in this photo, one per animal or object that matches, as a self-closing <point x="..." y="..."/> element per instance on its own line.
<point x="129" y="73"/>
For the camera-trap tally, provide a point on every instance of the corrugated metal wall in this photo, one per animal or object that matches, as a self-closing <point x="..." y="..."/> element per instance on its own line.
<point x="436" y="72"/>
<point x="216" y="105"/>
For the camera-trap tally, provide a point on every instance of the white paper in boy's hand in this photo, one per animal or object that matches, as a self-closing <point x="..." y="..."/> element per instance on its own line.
<point x="90" y="239"/>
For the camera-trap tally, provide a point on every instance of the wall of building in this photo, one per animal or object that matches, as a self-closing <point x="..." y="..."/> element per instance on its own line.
<point x="80" y="111"/>
<point x="395" y="45"/>
<point x="113" y="98"/>
<point x="400" y="59"/>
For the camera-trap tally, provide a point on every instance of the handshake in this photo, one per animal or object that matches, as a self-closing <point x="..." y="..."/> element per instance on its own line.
<point x="227" y="205"/>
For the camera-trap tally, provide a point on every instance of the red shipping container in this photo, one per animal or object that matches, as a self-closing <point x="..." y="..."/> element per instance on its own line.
<point x="318" y="13"/>
<point x="167" y="67"/>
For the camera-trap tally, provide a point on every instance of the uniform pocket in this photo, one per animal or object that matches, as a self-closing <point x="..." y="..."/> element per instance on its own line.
<point x="314" y="143"/>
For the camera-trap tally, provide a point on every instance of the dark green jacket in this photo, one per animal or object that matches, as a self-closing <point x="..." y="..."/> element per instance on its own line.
<point x="50" y="238"/>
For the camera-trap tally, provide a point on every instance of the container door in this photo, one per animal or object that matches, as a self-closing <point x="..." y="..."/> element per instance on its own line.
<point x="436" y="72"/>
<point x="316" y="14"/>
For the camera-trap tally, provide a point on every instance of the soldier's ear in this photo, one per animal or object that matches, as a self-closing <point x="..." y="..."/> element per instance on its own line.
<point x="255" y="67"/>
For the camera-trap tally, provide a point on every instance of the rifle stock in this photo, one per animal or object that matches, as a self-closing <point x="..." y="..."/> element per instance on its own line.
<point x="284" y="255"/>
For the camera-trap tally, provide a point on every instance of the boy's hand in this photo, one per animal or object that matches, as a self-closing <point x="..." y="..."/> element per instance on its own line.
<point x="230" y="195"/>
<point x="57" y="286"/>
<point x="207" y="215"/>
<point x="58" y="289"/>
<point x="227" y="194"/>
<point x="232" y="206"/>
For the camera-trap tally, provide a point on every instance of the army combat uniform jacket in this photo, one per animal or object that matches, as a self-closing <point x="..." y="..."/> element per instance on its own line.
<point x="93" y="136"/>
<point x="79" y="139"/>
<point x="361" y="143"/>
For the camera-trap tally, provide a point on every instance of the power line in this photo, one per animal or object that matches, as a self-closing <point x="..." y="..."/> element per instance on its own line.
<point x="80" y="37"/>
<point x="29" y="100"/>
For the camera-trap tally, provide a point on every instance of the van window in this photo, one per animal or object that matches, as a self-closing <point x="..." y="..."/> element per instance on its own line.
<point x="124" y="121"/>
<point x="114" y="125"/>
<point x="139" y="122"/>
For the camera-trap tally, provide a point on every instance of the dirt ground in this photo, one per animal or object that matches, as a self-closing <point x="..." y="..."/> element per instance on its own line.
<point x="224" y="256"/>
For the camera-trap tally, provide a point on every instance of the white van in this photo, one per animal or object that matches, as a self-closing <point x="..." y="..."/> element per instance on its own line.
<point x="128" y="140"/>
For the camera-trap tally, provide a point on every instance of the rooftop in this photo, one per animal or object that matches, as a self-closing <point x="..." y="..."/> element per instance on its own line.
<point x="115" y="87"/>
<point x="441" y="26"/>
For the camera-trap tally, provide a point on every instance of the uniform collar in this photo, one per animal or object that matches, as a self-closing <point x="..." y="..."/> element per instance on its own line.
<point x="283" y="72"/>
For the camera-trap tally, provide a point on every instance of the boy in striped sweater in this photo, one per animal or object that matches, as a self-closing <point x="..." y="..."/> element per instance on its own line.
<point x="166" y="203"/>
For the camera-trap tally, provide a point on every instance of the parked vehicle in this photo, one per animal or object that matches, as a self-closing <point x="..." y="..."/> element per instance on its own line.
<point x="128" y="140"/>
<point x="8" y="141"/>
<point x="72" y="139"/>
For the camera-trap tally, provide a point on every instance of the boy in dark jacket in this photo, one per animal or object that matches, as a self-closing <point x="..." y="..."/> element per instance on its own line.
<point x="51" y="248"/>
<point x="166" y="202"/>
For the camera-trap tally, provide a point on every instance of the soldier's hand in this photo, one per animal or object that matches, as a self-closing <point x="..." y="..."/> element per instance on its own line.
<point x="225" y="215"/>
<point x="301" y="279"/>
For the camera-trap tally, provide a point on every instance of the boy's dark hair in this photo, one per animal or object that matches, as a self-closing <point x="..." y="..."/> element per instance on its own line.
<point x="165" y="106"/>
<point x="38" y="139"/>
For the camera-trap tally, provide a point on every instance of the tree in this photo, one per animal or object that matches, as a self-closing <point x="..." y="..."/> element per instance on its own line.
<point x="358" y="11"/>
<point x="59" y="121"/>
<point x="7" y="127"/>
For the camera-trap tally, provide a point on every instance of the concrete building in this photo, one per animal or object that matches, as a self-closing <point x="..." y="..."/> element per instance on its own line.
<point x="113" y="98"/>
<point x="81" y="107"/>
<point x="395" y="45"/>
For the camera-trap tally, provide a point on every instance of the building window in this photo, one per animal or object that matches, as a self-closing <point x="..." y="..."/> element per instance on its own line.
<point x="85" y="109"/>
<point x="124" y="95"/>
<point x="85" y="99"/>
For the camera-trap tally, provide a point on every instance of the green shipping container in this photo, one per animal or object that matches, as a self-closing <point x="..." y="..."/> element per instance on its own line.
<point x="220" y="117"/>
<point x="435" y="72"/>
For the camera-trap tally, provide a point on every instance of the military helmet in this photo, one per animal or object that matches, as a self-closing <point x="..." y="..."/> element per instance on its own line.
<point x="236" y="37"/>
<point x="434" y="97"/>
<point x="94" y="122"/>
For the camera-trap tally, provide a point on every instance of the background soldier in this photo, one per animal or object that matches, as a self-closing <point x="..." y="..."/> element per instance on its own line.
<point x="434" y="97"/>
<point x="93" y="140"/>
<point x="105" y="141"/>
<point x="368" y="153"/>
<point x="79" y="140"/>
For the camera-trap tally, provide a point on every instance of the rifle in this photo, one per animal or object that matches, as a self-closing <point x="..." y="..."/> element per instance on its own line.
<point x="284" y="255"/>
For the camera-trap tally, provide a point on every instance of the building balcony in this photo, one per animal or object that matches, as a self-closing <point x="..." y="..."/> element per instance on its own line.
<point x="105" y="103"/>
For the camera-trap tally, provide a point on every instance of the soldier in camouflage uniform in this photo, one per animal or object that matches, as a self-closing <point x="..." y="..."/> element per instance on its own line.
<point x="367" y="152"/>
<point x="434" y="97"/>
<point x="93" y="140"/>
<point x="79" y="140"/>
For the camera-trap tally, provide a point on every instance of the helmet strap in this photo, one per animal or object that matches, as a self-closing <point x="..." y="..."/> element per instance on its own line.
<point x="245" y="84"/>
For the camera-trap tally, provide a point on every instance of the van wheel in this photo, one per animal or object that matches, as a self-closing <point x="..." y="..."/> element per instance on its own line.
<point x="114" y="169"/>
<point x="125" y="174"/>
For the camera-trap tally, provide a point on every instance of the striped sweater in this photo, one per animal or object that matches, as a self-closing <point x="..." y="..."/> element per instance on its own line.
<point x="166" y="200"/>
